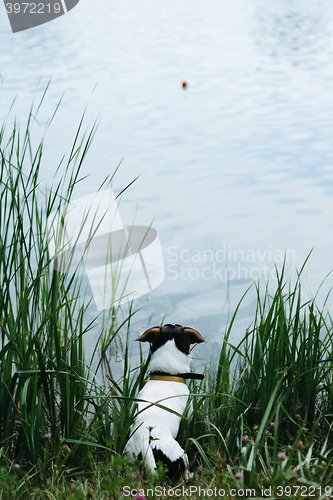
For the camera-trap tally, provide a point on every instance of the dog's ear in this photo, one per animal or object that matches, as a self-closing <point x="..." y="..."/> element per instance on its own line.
<point x="191" y="336"/>
<point x="150" y="335"/>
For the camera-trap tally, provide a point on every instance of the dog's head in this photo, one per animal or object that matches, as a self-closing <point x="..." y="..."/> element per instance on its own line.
<point x="183" y="337"/>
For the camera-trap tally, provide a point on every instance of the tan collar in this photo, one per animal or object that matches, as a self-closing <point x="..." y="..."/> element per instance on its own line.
<point x="167" y="378"/>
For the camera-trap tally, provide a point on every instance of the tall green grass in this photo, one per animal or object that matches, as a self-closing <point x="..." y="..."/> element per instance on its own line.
<point x="274" y="387"/>
<point x="46" y="387"/>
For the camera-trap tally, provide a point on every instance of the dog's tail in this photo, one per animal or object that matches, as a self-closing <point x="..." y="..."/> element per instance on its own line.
<point x="166" y="451"/>
<point x="138" y="446"/>
<point x="149" y="459"/>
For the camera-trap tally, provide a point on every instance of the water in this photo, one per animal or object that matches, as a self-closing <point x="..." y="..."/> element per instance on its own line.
<point x="235" y="170"/>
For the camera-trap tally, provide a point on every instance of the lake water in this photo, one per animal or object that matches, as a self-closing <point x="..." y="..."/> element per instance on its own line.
<point x="236" y="170"/>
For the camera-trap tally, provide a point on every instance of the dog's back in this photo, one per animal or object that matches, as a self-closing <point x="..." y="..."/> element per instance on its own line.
<point x="155" y="429"/>
<point x="154" y="432"/>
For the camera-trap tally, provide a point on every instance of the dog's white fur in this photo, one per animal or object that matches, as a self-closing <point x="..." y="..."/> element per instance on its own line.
<point x="156" y="428"/>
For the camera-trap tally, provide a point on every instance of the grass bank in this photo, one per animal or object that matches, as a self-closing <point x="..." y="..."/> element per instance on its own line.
<point x="262" y="417"/>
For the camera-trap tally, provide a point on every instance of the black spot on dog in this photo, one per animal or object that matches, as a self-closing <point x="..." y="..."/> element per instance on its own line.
<point x="182" y="335"/>
<point x="175" y="469"/>
<point x="169" y="332"/>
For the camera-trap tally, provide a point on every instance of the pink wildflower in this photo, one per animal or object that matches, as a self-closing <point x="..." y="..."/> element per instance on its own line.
<point x="66" y="449"/>
<point x="245" y="439"/>
<point x="240" y="475"/>
<point x="90" y="493"/>
<point x="16" y="466"/>
<point x="47" y="435"/>
<point x="282" y="455"/>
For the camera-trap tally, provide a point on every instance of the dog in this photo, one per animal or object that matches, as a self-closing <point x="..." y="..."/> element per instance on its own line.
<point x="154" y="431"/>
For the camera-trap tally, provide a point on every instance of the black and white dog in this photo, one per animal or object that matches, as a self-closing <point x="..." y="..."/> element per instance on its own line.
<point x="154" y="431"/>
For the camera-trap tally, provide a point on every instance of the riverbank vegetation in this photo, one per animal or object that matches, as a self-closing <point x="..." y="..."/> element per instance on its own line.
<point x="262" y="417"/>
